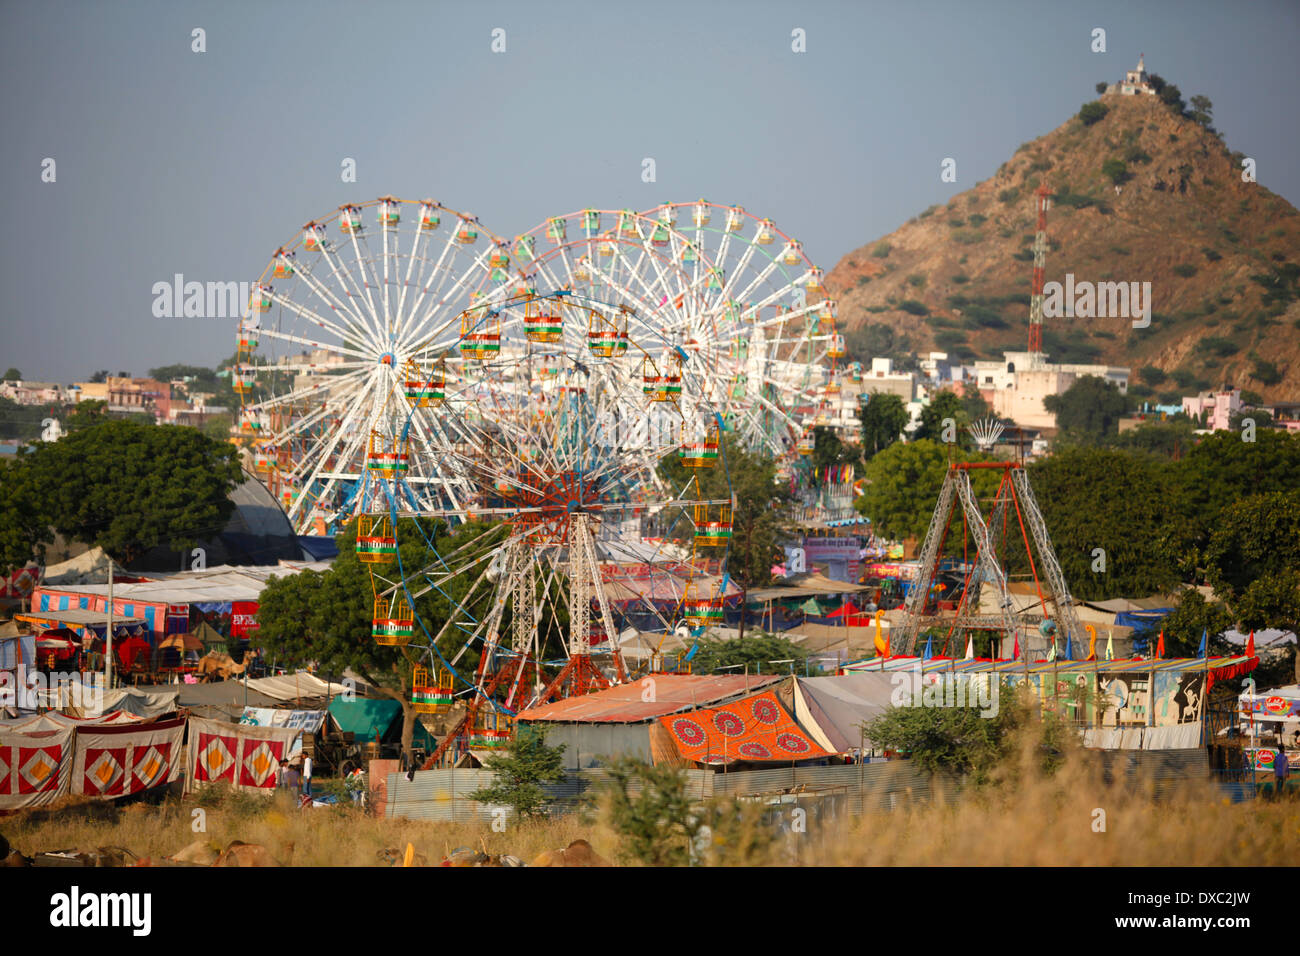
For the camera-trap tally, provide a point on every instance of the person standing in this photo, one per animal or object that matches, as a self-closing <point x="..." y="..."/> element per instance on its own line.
<point x="306" y="776"/>
<point x="1280" y="768"/>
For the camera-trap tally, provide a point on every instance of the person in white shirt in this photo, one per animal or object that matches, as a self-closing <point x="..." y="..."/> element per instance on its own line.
<point x="306" y="776"/>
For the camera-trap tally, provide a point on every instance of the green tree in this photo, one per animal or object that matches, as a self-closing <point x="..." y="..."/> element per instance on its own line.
<point x="12" y="375"/>
<point x="1271" y="600"/>
<point x="525" y="764"/>
<point x="1101" y="87"/>
<point x="1088" y="409"/>
<point x="1092" y="112"/>
<point x="1171" y="438"/>
<point x="968" y="741"/>
<point x="946" y="408"/>
<point x="325" y="617"/>
<point x="754" y="653"/>
<point x="87" y="414"/>
<point x="1253" y="537"/>
<point x="651" y="810"/>
<point x="1152" y="374"/>
<point x="1218" y="468"/>
<point x="99" y="377"/>
<point x="1192" y="617"/>
<point x="883" y="419"/>
<point x="903" y="482"/>
<point x="22" y="422"/>
<point x="128" y="487"/>
<point x="1202" y="111"/>
<point x="1116" y="170"/>
<point x="1122" y="503"/>
<point x="829" y="451"/>
<point x="24" y="520"/>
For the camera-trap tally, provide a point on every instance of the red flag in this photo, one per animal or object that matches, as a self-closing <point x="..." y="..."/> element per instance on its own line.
<point x="1015" y="650"/>
<point x="1250" y="645"/>
<point x="1160" y="645"/>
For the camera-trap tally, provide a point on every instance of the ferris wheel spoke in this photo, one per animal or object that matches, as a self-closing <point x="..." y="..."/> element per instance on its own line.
<point x="362" y="357"/>
<point x="350" y="303"/>
<point x="352" y="323"/>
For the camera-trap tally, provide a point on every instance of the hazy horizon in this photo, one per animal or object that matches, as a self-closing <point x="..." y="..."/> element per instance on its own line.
<point x="171" y="161"/>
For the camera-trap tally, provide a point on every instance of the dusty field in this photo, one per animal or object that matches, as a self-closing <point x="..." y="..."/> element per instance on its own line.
<point x="1071" y="819"/>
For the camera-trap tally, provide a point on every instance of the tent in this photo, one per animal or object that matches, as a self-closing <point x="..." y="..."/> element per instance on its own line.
<point x="368" y="718"/>
<point x="59" y="641"/>
<point x="1280" y="703"/>
<point x="211" y="638"/>
<point x="832" y="708"/>
<point x="182" y="642"/>
<point x="130" y="649"/>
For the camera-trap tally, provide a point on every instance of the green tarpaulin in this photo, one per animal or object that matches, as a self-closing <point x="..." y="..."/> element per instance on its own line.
<point x="365" y="717"/>
<point x="811" y="607"/>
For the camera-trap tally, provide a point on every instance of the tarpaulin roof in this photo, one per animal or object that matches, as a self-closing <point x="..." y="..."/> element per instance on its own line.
<point x="1219" y="667"/>
<point x="368" y="717"/>
<point x="221" y="694"/>
<point x="755" y="728"/>
<point x="1280" y="703"/>
<point x="669" y="694"/>
<point x="804" y="585"/>
<point x="364" y="717"/>
<point x="76" y="617"/>
<point x="53" y="720"/>
<point x="131" y="700"/>
<point x="219" y="585"/>
<point x="836" y="706"/>
<point x="295" y="686"/>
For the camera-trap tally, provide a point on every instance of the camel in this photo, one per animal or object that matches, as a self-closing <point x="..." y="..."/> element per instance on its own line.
<point x="200" y="852"/>
<point x="251" y="854"/>
<point x="577" y="853"/>
<point x="215" y="666"/>
<point x="395" y="857"/>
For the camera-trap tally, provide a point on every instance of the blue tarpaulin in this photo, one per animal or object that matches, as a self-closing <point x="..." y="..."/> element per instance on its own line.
<point x="320" y="547"/>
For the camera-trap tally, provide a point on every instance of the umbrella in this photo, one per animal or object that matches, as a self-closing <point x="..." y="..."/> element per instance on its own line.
<point x="187" y="642"/>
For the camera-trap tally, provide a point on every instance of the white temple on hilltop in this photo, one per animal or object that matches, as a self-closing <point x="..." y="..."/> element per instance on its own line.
<point x="1136" y="82"/>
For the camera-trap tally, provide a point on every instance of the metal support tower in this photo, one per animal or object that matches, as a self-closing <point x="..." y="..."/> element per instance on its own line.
<point x="580" y="675"/>
<point x="1015" y="496"/>
<point x="1036" y="287"/>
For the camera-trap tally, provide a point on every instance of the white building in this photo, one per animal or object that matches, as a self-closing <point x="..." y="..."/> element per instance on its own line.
<point x="1136" y="82"/>
<point x="1017" y="385"/>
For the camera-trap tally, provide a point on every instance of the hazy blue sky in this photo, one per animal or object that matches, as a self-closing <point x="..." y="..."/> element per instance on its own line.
<point x="171" y="161"/>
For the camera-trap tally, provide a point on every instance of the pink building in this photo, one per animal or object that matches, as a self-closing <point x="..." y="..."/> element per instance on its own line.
<point x="1218" y="407"/>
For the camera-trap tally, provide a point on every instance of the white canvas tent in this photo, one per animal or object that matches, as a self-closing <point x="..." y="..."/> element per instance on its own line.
<point x="832" y="709"/>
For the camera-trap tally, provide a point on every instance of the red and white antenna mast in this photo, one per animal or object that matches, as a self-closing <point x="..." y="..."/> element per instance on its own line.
<point x="1036" y="290"/>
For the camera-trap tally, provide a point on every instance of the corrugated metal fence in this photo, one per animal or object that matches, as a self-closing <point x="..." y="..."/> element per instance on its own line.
<point x="443" y="795"/>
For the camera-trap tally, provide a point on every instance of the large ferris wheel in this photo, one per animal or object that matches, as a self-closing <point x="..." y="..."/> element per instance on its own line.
<point x="346" y="310"/>
<point x="399" y="361"/>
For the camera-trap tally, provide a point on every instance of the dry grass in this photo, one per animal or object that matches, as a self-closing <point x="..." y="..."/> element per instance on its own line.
<point x="1073" y="818"/>
<point x="1023" y="820"/>
<point x="342" y="836"/>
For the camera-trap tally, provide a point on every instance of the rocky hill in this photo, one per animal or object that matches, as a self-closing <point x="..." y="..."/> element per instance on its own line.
<point x="1170" y="209"/>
